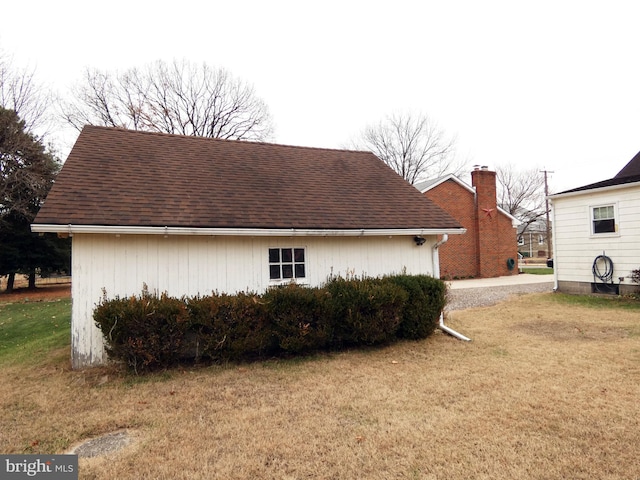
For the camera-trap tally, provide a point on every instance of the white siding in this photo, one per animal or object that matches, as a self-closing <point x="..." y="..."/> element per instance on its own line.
<point x="192" y="265"/>
<point x="576" y="248"/>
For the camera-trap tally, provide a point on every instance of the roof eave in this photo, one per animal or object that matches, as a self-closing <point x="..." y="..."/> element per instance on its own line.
<point x="441" y="180"/>
<point x="593" y="190"/>
<point x="71" y="229"/>
<point x="514" y="221"/>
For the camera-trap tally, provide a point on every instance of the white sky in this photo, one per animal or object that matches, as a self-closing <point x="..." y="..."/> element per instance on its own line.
<point x="551" y="84"/>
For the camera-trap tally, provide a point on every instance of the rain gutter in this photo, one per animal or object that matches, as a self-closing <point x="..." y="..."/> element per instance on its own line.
<point x="71" y="229"/>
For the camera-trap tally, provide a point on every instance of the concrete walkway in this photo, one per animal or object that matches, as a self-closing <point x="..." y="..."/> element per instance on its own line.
<point x="520" y="279"/>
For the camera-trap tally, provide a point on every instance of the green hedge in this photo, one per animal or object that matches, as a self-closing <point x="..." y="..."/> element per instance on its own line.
<point x="363" y="312"/>
<point x="297" y="318"/>
<point x="148" y="332"/>
<point x="228" y="327"/>
<point x="427" y="297"/>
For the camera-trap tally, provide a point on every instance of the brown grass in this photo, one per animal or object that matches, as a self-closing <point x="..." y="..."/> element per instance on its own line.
<point x="544" y="390"/>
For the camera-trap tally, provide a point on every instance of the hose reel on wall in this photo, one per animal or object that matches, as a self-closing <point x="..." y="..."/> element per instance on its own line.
<point x="602" y="270"/>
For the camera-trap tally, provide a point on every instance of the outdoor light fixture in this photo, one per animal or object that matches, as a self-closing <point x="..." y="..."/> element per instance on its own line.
<point x="419" y="240"/>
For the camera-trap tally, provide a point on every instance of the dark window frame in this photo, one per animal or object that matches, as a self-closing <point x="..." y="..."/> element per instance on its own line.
<point x="287" y="264"/>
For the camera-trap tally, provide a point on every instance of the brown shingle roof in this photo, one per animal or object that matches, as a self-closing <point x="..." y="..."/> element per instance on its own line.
<point x="117" y="177"/>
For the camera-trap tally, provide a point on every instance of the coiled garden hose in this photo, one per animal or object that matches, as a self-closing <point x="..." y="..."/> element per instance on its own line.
<point x="605" y="275"/>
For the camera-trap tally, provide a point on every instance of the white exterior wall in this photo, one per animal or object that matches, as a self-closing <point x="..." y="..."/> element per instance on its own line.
<point x="575" y="247"/>
<point x="192" y="265"/>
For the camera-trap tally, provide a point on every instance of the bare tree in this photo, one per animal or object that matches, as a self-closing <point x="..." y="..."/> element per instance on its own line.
<point x="521" y="193"/>
<point x="20" y="92"/>
<point x="412" y="145"/>
<point x="181" y="98"/>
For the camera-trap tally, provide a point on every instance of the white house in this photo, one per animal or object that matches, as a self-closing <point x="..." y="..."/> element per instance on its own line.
<point x="596" y="232"/>
<point x="192" y="215"/>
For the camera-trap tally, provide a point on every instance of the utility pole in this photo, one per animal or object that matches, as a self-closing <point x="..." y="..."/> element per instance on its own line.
<point x="546" y="200"/>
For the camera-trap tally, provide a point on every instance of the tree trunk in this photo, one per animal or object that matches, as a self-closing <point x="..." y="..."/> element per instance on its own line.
<point x="10" y="280"/>
<point x="32" y="280"/>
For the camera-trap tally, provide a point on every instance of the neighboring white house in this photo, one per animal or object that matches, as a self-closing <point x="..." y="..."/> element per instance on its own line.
<point x="596" y="232"/>
<point x="192" y="215"/>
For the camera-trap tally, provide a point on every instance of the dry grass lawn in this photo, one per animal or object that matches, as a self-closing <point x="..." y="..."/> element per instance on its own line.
<point x="544" y="390"/>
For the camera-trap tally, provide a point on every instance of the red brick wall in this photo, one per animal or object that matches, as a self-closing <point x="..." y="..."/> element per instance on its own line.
<point x="457" y="256"/>
<point x="507" y="246"/>
<point x="496" y="237"/>
<point x="490" y="239"/>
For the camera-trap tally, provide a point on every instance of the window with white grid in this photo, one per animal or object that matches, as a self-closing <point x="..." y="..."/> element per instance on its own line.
<point x="603" y="219"/>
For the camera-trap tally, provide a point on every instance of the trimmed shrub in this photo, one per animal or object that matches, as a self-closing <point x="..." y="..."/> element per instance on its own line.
<point x="150" y="332"/>
<point x="146" y="332"/>
<point x="230" y="327"/>
<point x="426" y="299"/>
<point x="297" y="317"/>
<point x="208" y="335"/>
<point x="363" y="312"/>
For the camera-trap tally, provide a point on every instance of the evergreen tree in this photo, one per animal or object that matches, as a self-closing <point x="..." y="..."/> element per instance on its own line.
<point x="27" y="172"/>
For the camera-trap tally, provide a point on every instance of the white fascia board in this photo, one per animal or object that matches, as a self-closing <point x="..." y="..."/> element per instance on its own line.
<point x="251" y="232"/>
<point x="449" y="177"/>
<point x="621" y="186"/>
<point x="514" y="221"/>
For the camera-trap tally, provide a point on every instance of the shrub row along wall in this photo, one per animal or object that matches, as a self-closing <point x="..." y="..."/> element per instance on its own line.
<point x="150" y="331"/>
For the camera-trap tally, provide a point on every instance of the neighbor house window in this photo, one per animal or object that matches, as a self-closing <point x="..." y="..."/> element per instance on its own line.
<point x="540" y="240"/>
<point x="286" y="263"/>
<point x="604" y="219"/>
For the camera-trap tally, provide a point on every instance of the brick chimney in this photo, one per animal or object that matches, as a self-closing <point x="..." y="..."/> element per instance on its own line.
<point x="489" y="259"/>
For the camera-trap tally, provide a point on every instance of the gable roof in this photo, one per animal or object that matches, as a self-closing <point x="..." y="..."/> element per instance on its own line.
<point x="430" y="184"/>
<point x="629" y="174"/>
<point x="631" y="169"/>
<point x="130" y="179"/>
<point x="427" y="185"/>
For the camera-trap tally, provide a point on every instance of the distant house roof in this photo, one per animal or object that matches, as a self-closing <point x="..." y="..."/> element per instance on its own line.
<point x="629" y="174"/>
<point x="539" y="225"/>
<point x="116" y="177"/>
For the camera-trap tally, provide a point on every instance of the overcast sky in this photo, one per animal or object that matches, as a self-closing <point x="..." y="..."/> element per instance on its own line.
<point x="545" y="84"/>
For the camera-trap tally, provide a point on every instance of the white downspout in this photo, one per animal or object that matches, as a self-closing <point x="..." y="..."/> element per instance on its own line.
<point x="553" y="237"/>
<point x="451" y="331"/>
<point x="436" y="274"/>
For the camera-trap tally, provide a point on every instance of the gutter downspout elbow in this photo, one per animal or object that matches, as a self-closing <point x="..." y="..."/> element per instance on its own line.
<point x="436" y="271"/>
<point x="451" y="331"/>
<point x="443" y="240"/>
<point x="436" y="257"/>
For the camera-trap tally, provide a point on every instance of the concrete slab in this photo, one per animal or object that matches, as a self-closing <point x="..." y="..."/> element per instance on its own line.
<point x="520" y="279"/>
